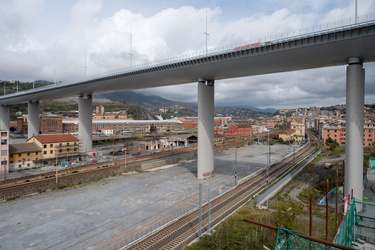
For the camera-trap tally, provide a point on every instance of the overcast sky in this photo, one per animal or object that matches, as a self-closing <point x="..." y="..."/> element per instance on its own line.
<point x="55" y="39"/>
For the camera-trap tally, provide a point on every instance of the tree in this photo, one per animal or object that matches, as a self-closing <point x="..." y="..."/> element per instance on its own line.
<point x="332" y="144"/>
<point x="287" y="212"/>
<point x="153" y="129"/>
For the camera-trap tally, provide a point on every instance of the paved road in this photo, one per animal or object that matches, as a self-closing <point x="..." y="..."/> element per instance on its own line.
<point x="93" y="215"/>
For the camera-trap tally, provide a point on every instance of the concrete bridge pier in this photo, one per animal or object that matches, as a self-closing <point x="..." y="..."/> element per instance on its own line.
<point x="33" y="118"/>
<point x="206" y="95"/>
<point x="355" y="83"/>
<point x="4" y="117"/>
<point x="85" y="122"/>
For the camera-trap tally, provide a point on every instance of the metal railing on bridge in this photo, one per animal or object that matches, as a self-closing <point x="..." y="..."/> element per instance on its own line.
<point x="336" y="26"/>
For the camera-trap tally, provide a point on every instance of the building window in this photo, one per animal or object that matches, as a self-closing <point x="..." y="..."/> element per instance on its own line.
<point x="45" y="152"/>
<point x="4" y="142"/>
<point x="51" y="151"/>
<point x="60" y="144"/>
<point x="36" y="153"/>
<point x="51" y="145"/>
<point x="19" y="155"/>
<point x="44" y="146"/>
<point x="67" y="144"/>
<point x="28" y="154"/>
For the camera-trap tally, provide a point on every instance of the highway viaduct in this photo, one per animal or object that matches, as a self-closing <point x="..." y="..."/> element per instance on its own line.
<point x="352" y="45"/>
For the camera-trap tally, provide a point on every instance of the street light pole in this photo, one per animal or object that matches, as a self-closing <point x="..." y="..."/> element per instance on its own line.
<point x="235" y="166"/>
<point x="269" y="148"/>
<point x="206" y="33"/>
<point x="125" y="156"/>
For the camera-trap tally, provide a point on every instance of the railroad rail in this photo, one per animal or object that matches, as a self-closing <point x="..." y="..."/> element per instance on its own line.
<point x="48" y="181"/>
<point x="179" y="233"/>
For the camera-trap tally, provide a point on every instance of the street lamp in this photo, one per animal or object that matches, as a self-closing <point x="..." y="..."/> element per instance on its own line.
<point x="206" y="33"/>
<point x="125" y="157"/>
<point x="235" y="166"/>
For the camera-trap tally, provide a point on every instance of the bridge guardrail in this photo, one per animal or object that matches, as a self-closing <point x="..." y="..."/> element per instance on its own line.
<point x="362" y="21"/>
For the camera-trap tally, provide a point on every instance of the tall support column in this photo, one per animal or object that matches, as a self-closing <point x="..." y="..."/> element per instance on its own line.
<point x="206" y="91"/>
<point x="4" y="117"/>
<point x="33" y="119"/>
<point x="85" y="122"/>
<point x="355" y="82"/>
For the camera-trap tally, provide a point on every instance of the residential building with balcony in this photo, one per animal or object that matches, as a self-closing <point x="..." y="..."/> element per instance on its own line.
<point x="299" y="128"/>
<point x="56" y="147"/>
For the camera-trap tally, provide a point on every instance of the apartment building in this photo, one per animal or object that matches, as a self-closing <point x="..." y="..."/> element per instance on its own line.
<point x="56" y="147"/>
<point x="24" y="156"/>
<point x="239" y="131"/>
<point x="4" y="157"/>
<point x="338" y="134"/>
<point x="299" y="128"/>
<point x="48" y="124"/>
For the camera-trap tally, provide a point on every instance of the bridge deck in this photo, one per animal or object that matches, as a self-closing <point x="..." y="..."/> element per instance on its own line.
<point x="321" y="49"/>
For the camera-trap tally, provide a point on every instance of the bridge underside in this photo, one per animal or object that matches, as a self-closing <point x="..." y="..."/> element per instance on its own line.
<point x="331" y="48"/>
<point x="323" y="49"/>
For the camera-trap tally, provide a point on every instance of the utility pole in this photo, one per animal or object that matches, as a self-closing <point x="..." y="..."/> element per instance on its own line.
<point x="85" y="62"/>
<point x="200" y="210"/>
<point x="235" y="166"/>
<point x="209" y="211"/>
<point x="356" y="12"/>
<point x="206" y="33"/>
<point x="125" y="157"/>
<point x="269" y="148"/>
<point x="57" y="174"/>
<point x="131" y="49"/>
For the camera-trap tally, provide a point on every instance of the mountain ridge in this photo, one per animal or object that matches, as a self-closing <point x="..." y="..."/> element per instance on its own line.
<point x="152" y="101"/>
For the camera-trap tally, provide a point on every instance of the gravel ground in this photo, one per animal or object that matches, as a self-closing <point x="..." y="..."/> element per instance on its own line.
<point x="94" y="215"/>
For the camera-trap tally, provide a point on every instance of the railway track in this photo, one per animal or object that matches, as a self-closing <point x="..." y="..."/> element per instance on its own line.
<point x="179" y="233"/>
<point x="48" y="181"/>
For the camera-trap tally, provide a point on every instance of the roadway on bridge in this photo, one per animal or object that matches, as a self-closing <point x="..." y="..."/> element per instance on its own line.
<point x="321" y="49"/>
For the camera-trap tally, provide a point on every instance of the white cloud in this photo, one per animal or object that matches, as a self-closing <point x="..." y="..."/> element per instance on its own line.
<point x="35" y="44"/>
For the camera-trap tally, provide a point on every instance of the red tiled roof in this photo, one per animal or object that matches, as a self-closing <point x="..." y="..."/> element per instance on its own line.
<point x="55" y="138"/>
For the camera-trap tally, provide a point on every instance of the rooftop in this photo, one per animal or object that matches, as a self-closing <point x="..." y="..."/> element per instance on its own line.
<point x="23" y="148"/>
<point x="55" y="138"/>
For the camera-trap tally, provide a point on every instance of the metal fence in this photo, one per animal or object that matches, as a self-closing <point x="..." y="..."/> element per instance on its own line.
<point x="358" y="224"/>
<point x="275" y="188"/>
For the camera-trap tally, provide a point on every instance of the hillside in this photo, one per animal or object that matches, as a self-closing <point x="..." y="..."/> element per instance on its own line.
<point x="145" y="106"/>
<point x="168" y="109"/>
<point x="137" y="98"/>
